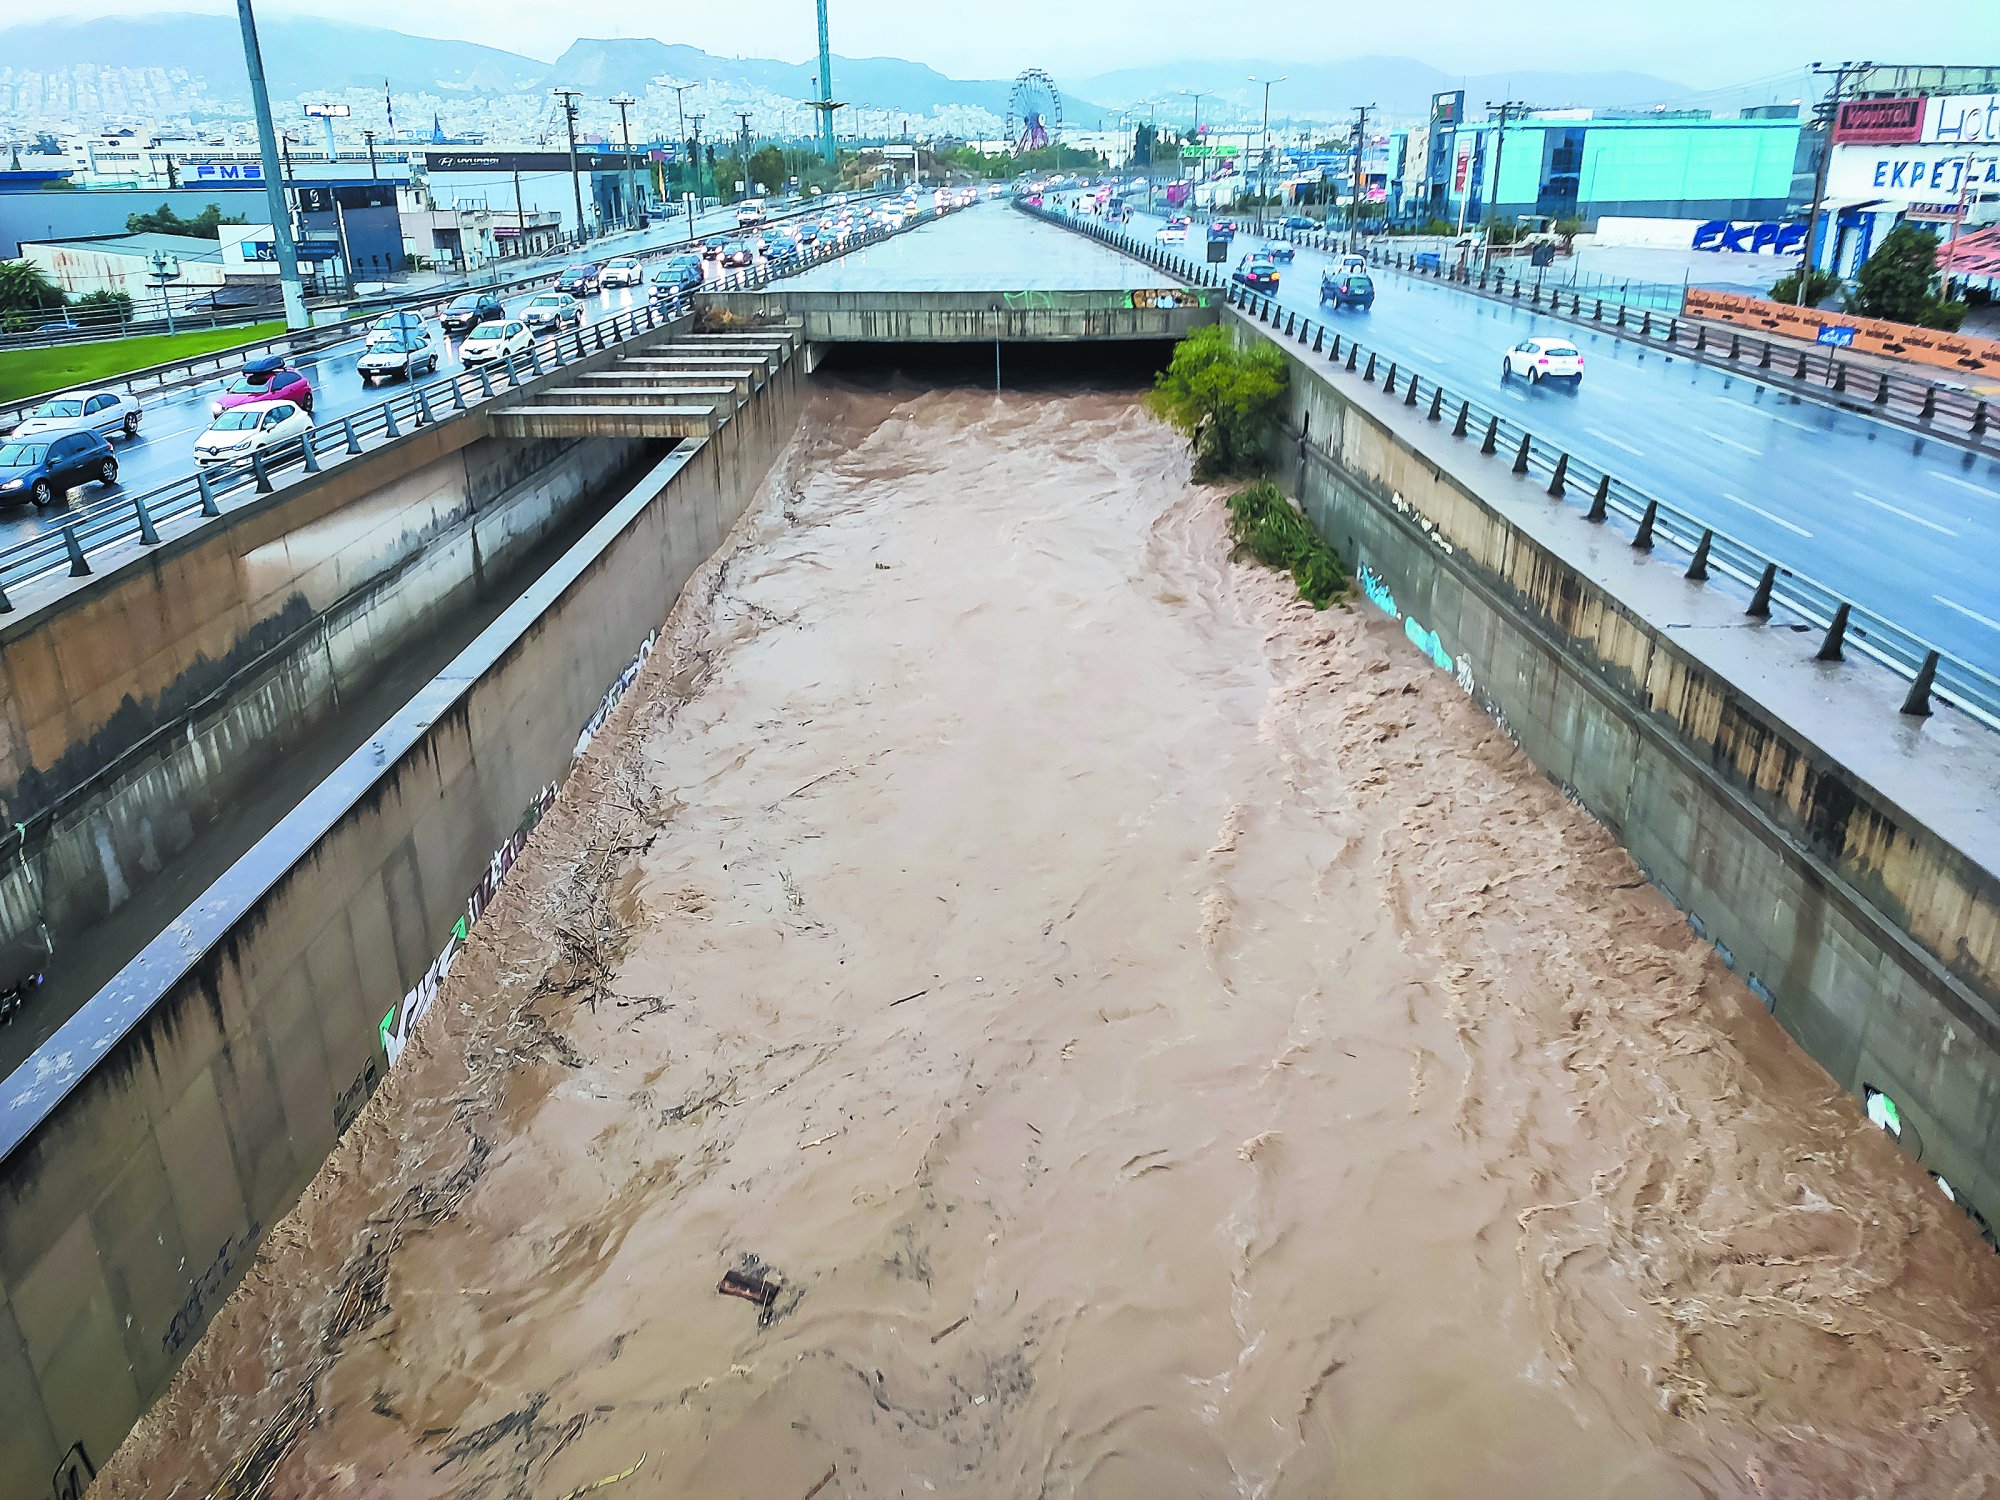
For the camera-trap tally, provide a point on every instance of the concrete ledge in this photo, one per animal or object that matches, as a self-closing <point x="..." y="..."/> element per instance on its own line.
<point x="606" y="421"/>
<point x="939" y="317"/>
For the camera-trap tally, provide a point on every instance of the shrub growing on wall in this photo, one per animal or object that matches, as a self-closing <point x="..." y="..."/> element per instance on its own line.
<point x="1223" y="398"/>
<point x="1271" y="529"/>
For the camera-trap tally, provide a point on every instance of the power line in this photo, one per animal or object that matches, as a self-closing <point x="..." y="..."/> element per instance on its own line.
<point x="569" y="98"/>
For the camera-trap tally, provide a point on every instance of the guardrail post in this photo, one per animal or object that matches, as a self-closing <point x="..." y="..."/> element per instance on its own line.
<point x="1643" y="539"/>
<point x="1410" y="392"/>
<point x="457" y="395"/>
<point x="1836" y="634"/>
<point x="1597" y="312"/>
<point x="1437" y="404"/>
<point x="264" y="485"/>
<point x="1700" y="337"/>
<point x="1557" y="487"/>
<point x="1979" y="420"/>
<point x="1735" y="345"/>
<point x="1389" y="380"/>
<point x="1882" y="391"/>
<point x="1304" y="329"/>
<point x="1930" y="403"/>
<point x="1600" y="502"/>
<point x="1621" y="315"/>
<point x="1521" y="455"/>
<point x="311" y="453"/>
<point x="1464" y="415"/>
<point x="78" y="566"/>
<point x="1802" y="369"/>
<point x="423" y="408"/>
<point x="389" y="427"/>
<point x="1369" y="373"/>
<point x="1353" y="352"/>
<point x="6" y="604"/>
<point x="146" y="532"/>
<point x="485" y="384"/>
<point x="534" y="360"/>
<point x="1319" y="341"/>
<point x="1918" y="703"/>
<point x="1698" y="568"/>
<point x="206" y="489"/>
<point x="1764" y="356"/>
<point x="1492" y="443"/>
<point x="1760" y="602"/>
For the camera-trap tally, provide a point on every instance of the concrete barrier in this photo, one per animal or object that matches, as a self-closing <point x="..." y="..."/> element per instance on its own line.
<point x="146" y="1148"/>
<point x="1842" y="861"/>
<point x="976" y="317"/>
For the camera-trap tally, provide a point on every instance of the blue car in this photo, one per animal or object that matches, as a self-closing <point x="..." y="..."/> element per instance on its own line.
<point x="1299" y="221"/>
<point x="1257" y="271"/>
<point x="1347" y="289"/>
<point x="1282" y="254"/>
<point x="681" y="273"/>
<point x="42" y="470"/>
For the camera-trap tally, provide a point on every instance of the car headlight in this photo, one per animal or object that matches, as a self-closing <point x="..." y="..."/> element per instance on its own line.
<point x="13" y="484"/>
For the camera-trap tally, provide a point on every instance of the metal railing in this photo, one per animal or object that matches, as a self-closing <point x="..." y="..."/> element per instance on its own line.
<point x="1655" y="524"/>
<point x="69" y="547"/>
<point x="1920" y="403"/>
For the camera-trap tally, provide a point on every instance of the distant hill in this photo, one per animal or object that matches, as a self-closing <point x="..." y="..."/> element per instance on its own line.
<point x="1399" y="86"/>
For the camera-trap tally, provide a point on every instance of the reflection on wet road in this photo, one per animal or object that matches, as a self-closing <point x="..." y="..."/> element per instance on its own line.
<point x="1150" y="1038"/>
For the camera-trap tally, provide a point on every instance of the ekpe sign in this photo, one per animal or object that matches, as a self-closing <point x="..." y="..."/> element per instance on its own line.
<point x="1911" y="174"/>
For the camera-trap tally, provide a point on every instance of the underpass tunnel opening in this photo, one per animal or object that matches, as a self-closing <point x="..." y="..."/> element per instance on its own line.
<point x="1110" y="364"/>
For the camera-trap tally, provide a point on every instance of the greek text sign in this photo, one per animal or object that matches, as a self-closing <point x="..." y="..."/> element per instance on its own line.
<point x="1911" y="174"/>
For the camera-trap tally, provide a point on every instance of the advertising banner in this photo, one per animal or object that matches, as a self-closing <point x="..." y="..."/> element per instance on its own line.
<point x="1962" y="119"/>
<point x="1879" y="122"/>
<point x="1927" y="346"/>
<point x="1448" y="110"/>
<point x="1911" y="174"/>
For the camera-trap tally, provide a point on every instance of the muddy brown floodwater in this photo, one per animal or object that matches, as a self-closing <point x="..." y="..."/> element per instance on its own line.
<point x="1159" y="1041"/>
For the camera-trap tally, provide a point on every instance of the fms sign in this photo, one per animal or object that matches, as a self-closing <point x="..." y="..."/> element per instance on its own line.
<point x="1725" y="236"/>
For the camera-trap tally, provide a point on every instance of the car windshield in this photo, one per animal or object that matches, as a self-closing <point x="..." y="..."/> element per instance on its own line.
<point x="557" y="303"/>
<point x="22" y="455"/>
<point x="248" y="382"/>
<point x="397" y="343"/>
<point x="490" y="331"/>
<point x="465" y="304"/>
<point x="58" y="409"/>
<point x="239" y="420"/>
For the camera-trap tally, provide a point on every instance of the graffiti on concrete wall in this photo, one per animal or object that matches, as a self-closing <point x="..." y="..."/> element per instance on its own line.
<point x="1426" y="640"/>
<point x="193" y="1314"/>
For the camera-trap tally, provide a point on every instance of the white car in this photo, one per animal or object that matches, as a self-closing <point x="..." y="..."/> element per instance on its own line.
<point x="254" y="427"/>
<point x="624" y="271"/>
<point x="1544" y="359"/>
<point x="1351" y="265"/>
<point x="498" y="340"/>
<point x="112" y="413"/>
<point x="552" y="310"/>
<point x="1171" y="234"/>
<point x="401" y="353"/>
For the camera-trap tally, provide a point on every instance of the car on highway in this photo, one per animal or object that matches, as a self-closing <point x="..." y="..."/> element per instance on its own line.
<point x="1544" y="359"/>
<point x="1283" y="254"/>
<point x="579" y="281"/>
<point x="751" y="212"/>
<point x="1352" y="265"/>
<point x="1298" y="221"/>
<point x="681" y="273"/>
<point x="112" y="413"/>
<point x="396" y="325"/>
<point x="1256" y="270"/>
<point x="503" y="338"/>
<point x="257" y="427"/>
<point x="265" y="379"/>
<point x="782" y="256"/>
<point x="42" y="470"/>
<point x="397" y="356"/>
<point x="1222" y="229"/>
<point x="1346" y="289"/>
<point x="737" y="254"/>
<point x="624" y="271"/>
<point x="553" y="311"/>
<point x="712" y="249"/>
<point x="470" y="310"/>
<point x="1173" y="232"/>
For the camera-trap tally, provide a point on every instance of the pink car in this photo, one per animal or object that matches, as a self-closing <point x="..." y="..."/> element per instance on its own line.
<point x="267" y="379"/>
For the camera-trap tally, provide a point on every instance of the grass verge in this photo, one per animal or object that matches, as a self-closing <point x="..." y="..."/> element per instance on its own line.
<point x="32" y="372"/>
<point x="1271" y="529"/>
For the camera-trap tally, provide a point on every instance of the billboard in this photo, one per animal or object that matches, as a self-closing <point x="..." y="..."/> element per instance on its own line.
<point x="1448" y="110"/>
<point x="1880" y="122"/>
<point x="1962" y="119"/>
<point x="225" y="171"/>
<point x="327" y="111"/>
<point x="530" y="161"/>
<point x="1910" y="174"/>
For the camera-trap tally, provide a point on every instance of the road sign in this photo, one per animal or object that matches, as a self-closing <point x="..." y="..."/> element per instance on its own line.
<point x="1837" y="336"/>
<point x="1206" y="152"/>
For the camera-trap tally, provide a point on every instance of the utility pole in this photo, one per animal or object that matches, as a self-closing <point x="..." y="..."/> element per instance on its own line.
<point x="569" y="98"/>
<point x="1502" y="112"/>
<point x="1194" y="133"/>
<point x="825" y="102"/>
<point x="1264" y="150"/>
<point x="1361" y="113"/>
<point x="687" y="144"/>
<point x="369" y="137"/>
<point x="274" y="185"/>
<point x="1825" y="114"/>
<point x="625" y="102"/>
<point x="520" y="216"/>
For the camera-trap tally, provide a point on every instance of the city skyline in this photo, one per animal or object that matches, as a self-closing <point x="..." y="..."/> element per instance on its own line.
<point x="1700" y="43"/>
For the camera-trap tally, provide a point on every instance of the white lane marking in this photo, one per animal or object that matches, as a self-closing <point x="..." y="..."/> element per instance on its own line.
<point x="1602" y="435"/>
<point x="1897" y="510"/>
<point x="1789" y="526"/>
<point x="1731" y="442"/>
<point x="1428" y="353"/>
<point x="1964" y="484"/>
<point x="1970" y="614"/>
<point x="1771" y="416"/>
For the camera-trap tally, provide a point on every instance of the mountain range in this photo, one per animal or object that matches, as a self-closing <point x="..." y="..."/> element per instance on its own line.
<point x="304" y="55"/>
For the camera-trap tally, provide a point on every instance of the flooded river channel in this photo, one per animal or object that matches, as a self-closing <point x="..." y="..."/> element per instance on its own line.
<point x="1014" y="1006"/>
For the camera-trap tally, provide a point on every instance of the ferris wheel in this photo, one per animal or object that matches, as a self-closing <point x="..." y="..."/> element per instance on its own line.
<point x="1034" y="111"/>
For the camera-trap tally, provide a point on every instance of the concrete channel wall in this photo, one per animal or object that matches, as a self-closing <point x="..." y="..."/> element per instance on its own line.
<point x="1733" y="767"/>
<point x="149" y="1145"/>
<point x="1038" y="317"/>
<point x="135" y="709"/>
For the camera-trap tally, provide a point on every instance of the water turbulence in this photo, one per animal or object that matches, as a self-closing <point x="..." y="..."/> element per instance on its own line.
<point x="1016" y="1005"/>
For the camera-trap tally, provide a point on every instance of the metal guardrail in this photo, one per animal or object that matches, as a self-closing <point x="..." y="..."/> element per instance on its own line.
<point x="126" y="519"/>
<point x="1939" y="407"/>
<point x="1655" y="523"/>
<point x="192" y="370"/>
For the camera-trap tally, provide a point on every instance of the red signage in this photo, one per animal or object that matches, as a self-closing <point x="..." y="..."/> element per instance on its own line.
<point x="1879" y="122"/>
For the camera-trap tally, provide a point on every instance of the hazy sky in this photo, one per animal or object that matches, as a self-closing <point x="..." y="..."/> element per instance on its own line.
<point x="1703" y="43"/>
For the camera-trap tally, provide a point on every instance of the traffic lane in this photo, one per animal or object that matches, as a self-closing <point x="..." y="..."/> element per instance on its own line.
<point x="1900" y="526"/>
<point x="164" y="450"/>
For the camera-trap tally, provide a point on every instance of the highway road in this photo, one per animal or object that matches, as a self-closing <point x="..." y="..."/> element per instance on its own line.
<point x="1905" y="525"/>
<point x="164" y="449"/>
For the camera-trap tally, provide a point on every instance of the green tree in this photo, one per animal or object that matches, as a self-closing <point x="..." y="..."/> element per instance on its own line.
<point x="25" y="291"/>
<point x="206" y="225"/>
<point x="1222" y="397"/>
<point x="767" y="167"/>
<point x="1895" y="282"/>
<point x="1143" y="140"/>
<point x="1820" y="285"/>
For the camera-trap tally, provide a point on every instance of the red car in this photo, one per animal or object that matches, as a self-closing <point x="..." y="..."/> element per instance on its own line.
<point x="267" y="379"/>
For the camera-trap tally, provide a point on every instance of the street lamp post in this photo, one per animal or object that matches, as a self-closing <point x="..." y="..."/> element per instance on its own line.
<point x="688" y="146"/>
<point x="165" y="268"/>
<point x="274" y="183"/>
<point x="624" y="103"/>
<point x="1264" y="150"/>
<point x="569" y="98"/>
